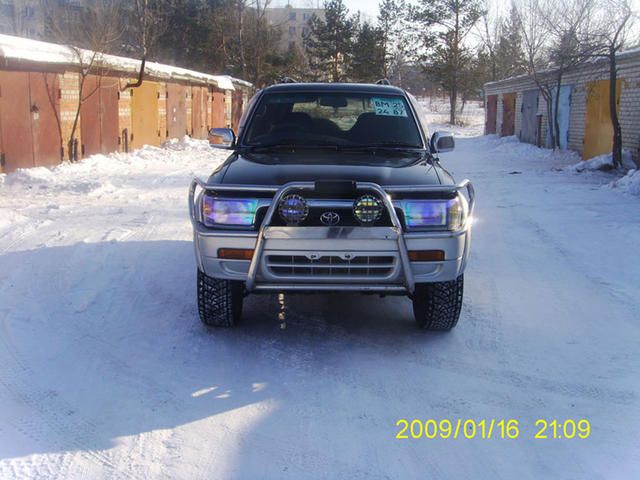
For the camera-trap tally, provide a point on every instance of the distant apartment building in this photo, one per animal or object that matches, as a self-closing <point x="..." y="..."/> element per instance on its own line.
<point x="24" y="18"/>
<point x="293" y="22"/>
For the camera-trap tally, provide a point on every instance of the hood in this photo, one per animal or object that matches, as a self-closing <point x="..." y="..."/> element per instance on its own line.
<point x="279" y="168"/>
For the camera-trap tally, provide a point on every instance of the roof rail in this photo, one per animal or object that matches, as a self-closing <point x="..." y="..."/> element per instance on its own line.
<point x="383" y="81"/>
<point x="285" y="79"/>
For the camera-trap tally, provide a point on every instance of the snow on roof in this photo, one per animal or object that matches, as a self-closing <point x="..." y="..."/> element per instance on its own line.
<point x="596" y="61"/>
<point x="23" y="50"/>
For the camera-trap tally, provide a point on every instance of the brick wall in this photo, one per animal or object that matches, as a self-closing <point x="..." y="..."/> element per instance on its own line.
<point x="518" y="120"/>
<point x="189" y="103"/>
<point x="629" y="107"/>
<point x="162" y="111"/>
<point x="228" y="107"/>
<point x="124" y="115"/>
<point x="69" y="97"/>
<point x="499" y="114"/>
<point x="577" y="116"/>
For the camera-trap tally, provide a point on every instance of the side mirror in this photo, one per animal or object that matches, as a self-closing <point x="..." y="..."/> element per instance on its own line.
<point x="442" y="142"/>
<point x="222" y="138"/>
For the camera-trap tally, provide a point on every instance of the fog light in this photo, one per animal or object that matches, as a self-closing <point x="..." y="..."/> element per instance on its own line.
<point x="235" y="253"/>
<point x="367" y="209"/>
<point x="293" y="209"/>
<point x="426" y="255"/>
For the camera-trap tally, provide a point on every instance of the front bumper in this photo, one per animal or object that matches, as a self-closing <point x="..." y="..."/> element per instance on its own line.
<point x="371" y="259"/>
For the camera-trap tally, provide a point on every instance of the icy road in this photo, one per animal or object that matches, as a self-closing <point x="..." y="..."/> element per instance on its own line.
<point x="106" y="371"/>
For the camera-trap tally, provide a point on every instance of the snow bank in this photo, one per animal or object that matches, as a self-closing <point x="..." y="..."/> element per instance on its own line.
<point x="602" y="163"/>
<point x="101" y="174"/>
<point x="630" y="183"/>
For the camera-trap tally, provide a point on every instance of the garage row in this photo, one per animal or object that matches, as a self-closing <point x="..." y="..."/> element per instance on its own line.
<point x="515" y="106"/>
<point x="40" y="93"/>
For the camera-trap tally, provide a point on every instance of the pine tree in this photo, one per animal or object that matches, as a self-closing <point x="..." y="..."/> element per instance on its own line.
<point x="368" y="56"/>
<point x="442" y="28"/>
<point x="330" y="42"/>
<point x="509" y="55"/>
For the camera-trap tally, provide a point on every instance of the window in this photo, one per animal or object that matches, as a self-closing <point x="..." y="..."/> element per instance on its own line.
<point x="331" y="118"/>
<point x="305" y="31"/>
<point x="306" y="16"/>
<point x="292" y="31"/>
<point x="292" y="16"/>
<point x="292" y="45"/>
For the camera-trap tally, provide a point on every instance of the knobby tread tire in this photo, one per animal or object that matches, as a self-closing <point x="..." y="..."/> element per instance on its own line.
<point x="219" y="301"/>
<point x="437" y="306"/>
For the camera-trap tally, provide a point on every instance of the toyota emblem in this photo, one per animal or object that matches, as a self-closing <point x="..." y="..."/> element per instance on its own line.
<point x="330" y="219"/>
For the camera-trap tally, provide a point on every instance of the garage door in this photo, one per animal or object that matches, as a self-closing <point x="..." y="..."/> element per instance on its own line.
<point x="176" y="111"/>
<point x="100" y="119"/>
<point x="217" y="109"/>
<point x="528" y="120"/>
<point x="564" y="109"/>
<point x="199" y="112"/>
<point x="492" y="109"/>
<point x="508" y="115"/>
<point x="144" y="115"/>
<point x="598" y="132"/>
<point x="15" y="118"/>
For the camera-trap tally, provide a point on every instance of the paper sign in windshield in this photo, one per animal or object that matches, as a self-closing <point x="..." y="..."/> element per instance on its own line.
<point x="389" y="107"/>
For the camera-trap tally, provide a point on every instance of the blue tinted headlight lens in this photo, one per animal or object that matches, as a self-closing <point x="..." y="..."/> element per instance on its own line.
<point x="228" y="211"/>
<point x="433" y="213"/>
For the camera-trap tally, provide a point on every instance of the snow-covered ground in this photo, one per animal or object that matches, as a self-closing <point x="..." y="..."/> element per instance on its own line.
<point x="106" y="371"/>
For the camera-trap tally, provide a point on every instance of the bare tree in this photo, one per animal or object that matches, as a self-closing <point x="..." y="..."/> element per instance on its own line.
<point x="489" y="32"/>
<point x="146" y="23"/>
<point x="568" y="26"/>
<point x="391" y="23"/>
<point x="612" y="33"/>
<point x="98" y="29"/>
<point x="534" y="15"/>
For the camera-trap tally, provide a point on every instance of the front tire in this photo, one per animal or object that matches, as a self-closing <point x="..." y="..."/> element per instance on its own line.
<point x="219" y="301"/>
<point x="436" y="306"/>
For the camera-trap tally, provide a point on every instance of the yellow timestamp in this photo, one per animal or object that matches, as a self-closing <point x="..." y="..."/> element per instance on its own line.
<point x="509" y="429"/>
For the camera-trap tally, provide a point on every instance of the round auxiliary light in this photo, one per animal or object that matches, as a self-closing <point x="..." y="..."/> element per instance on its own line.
<point x="367" y="209"/>
<point x="293" y="209"/>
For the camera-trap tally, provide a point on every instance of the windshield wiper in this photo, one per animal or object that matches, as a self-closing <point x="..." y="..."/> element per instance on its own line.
<point x="382" y="146"/>
<point x="291" y="146"/>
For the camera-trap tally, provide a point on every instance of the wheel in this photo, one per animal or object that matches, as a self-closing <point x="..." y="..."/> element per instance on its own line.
<point x="436" y="306"/>
<point x="219" y="301"/>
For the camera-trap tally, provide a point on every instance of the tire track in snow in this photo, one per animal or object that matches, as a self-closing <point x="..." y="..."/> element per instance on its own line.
<point x="47" y="412"/>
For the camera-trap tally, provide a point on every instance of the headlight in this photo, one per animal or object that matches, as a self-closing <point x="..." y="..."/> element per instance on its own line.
<point x="228" y="211"/>
<point x="293" y="209"/>
<point x="449" y="214"/>
<point x="367" y="209"/>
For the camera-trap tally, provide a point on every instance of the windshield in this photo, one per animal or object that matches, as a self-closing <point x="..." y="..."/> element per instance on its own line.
<point x="333" y="119"/>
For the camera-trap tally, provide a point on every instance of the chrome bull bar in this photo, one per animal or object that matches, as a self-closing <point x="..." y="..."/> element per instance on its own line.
<point x="280" y="192"/>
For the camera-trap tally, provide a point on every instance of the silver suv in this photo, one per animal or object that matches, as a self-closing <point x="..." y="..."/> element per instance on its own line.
<point x="331" y="187"/>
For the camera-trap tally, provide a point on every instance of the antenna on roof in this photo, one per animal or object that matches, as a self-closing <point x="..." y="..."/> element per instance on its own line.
<point x="383" y="81"/>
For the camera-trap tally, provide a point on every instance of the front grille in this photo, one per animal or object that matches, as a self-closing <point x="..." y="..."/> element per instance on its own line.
<point x="334" y="266"/>
<point x="313" y="219"/>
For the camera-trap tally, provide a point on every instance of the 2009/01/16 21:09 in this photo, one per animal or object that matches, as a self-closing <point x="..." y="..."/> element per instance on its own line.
<point x="490" y="428"/>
